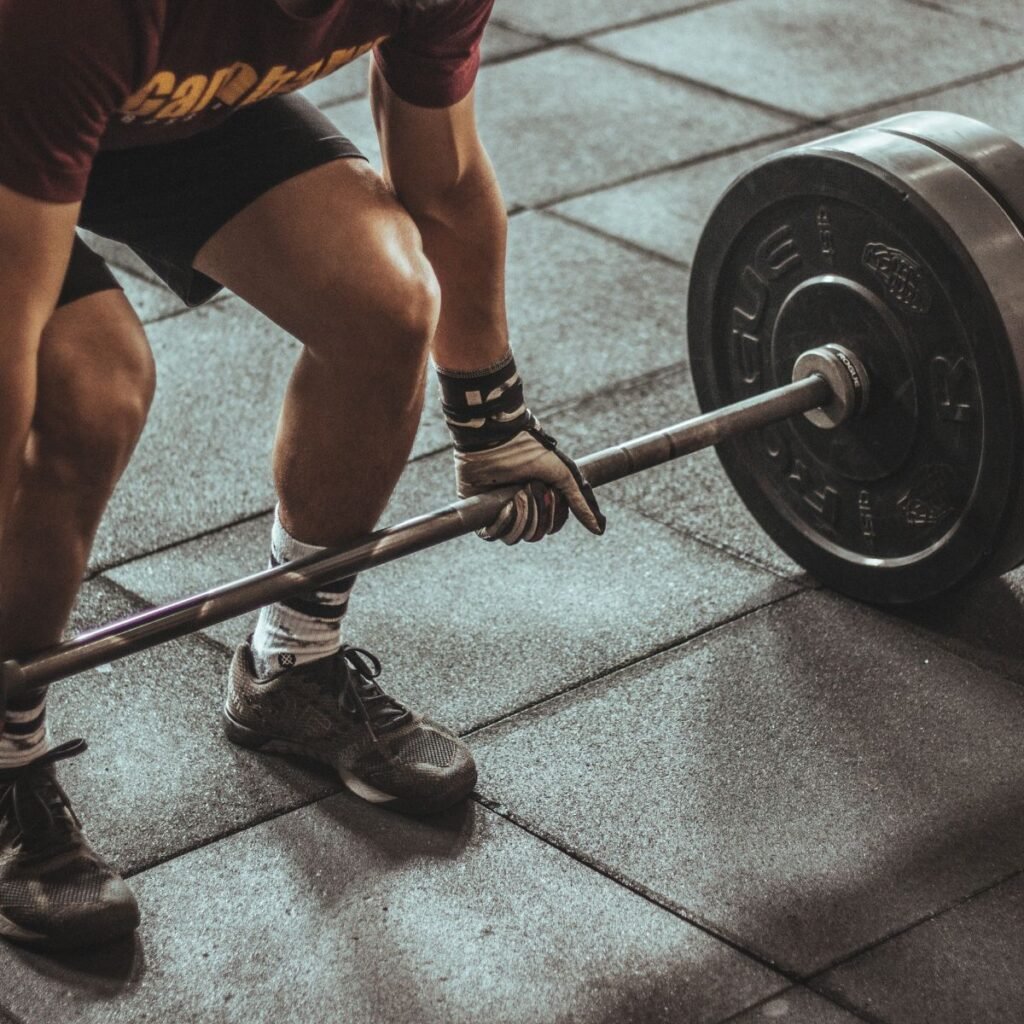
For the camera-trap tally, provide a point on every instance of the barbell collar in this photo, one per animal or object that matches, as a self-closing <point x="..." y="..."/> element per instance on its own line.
<point x="158" y="625"/>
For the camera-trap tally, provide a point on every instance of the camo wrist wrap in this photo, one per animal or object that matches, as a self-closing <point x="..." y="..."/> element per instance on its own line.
<point x="484" y="408"/>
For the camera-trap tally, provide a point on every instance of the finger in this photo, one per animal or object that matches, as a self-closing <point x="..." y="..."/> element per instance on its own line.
<point x="544" y="500"/>
<point x="578" y="493"/>
<point x="521" y="517"/>
<point x="501" y="525"/>
<point x="582" y="503"/>
<point x="560" y="513"/>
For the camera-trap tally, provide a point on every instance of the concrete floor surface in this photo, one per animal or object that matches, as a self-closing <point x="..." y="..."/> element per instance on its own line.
<point x="710" y="790"/>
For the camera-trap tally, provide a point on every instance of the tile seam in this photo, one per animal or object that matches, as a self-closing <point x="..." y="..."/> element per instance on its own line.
<point x="921" y="94"/>
<point x="802" y="988"/>
<point x="138" y="275"/>
<point x="676" y="643"/>
<point x="811" y="120"/>
<point x="228" y="833"/>
<point x="722" y="548"/>
<point x="577" y="37"/>
<point x="818" y="974"/>
<point x="634" y="886"/>
<point x="214" y="303"/>
<point x="102" y="568"/>
<point x="608" y="236"/>
<point x="685" y="163"/>
<point x="978" y="19"/>
<point x="697" y="83"/>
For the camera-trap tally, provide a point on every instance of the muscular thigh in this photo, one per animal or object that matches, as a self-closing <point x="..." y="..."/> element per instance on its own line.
<point x="326" y="251"/>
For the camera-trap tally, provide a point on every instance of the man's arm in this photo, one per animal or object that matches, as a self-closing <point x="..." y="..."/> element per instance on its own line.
<point x="434" y="160"/>
<point x="35" y="244"/>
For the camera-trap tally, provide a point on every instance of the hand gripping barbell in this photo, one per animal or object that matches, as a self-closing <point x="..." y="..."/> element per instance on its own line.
<point x="856" y="337"/>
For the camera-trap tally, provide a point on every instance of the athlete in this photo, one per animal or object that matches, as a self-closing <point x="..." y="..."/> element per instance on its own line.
<point x="176" y="127"/>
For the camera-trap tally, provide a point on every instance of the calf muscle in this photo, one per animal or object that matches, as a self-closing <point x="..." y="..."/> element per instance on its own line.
<point x="35" y="244"/>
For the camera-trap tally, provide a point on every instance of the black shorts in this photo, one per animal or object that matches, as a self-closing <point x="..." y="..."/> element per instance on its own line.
<point x="166" y="201"/>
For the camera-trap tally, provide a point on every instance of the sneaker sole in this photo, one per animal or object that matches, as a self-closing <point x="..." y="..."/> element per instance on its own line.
<point x="118" y="925"/>
<point x="243" y="736"/>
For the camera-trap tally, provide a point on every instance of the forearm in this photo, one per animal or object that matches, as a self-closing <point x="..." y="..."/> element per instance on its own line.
<point x="464" y="237"/>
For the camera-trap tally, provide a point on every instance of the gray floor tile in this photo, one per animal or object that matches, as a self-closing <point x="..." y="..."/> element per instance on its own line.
<point x="665" y="213"/>
<point x="500" y="43"/>
<point x="585" y="313"/>
<point x="150" y="301"/>
<point x="344" y="913"/>
<point x="119" y="255"/>
<point x="961" y="966"/>
<point x="805" y="780"/>
<point x="579" y="17"/>
<point x="354" y="119"/>
<point x="795" y="1006"/>
<point x="149" y="296"/>
<point x="204" y="457"/>
<point x="470" y="630"/>
<point x="691" y="494"/>
<point x="544" y="149"/>
<point x="1007" y="13"/>
<point x="998" y="101"/>
<point x="796" y="55"/>
<point x="984" y="623"/>
<point x="159" y="776"/>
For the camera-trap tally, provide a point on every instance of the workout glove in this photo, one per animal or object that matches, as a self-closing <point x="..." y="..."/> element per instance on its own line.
<point x="498" y="441"/>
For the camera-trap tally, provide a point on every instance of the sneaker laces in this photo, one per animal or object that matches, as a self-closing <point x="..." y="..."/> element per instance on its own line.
<point x="362" y="696"/>
<point x="36" y="798"/>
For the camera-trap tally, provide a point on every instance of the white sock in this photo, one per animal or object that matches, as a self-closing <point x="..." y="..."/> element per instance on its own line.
<point x="25" y="735"/>
<point x="303" y="628"/>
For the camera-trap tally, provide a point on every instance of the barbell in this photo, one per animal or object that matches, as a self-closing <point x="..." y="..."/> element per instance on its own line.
<point x="856" y="340"/>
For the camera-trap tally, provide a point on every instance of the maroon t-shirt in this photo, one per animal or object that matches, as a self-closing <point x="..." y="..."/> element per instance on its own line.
<point x="77" y="76"/>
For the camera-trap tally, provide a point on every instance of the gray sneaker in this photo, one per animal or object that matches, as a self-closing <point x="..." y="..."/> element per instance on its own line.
<point x="56" y="892"/>
<point x="334" y="712"/>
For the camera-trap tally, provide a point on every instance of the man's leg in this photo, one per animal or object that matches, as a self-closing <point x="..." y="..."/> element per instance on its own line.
<point x="95" y="385"/>
<point x="96" y="380"/>
<point x="334" y="259"/>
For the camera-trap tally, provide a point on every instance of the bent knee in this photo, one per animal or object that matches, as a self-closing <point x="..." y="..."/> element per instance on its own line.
<point x="391" y="314"/>
<point x="411" y="304"/>
<point x="96" y="386"/>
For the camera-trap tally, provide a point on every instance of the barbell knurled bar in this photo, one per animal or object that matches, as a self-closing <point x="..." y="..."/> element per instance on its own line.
<point x="829" y="378"/>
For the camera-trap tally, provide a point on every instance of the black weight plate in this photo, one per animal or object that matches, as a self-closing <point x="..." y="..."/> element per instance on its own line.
<point x="888" y="246"/>
<point x="997" y="162"/>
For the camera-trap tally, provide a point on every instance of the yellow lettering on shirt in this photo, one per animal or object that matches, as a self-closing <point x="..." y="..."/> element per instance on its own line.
<point x="151" y="97"/>
<point x="185" y="98"/>
<point x="240" y="78"/>
<point x="274" y="81"/>
<point x="217" y="80"/>
<point x="341" y="57"/>
<point x="304" y="77"/>
<point x="163" y="98"/>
